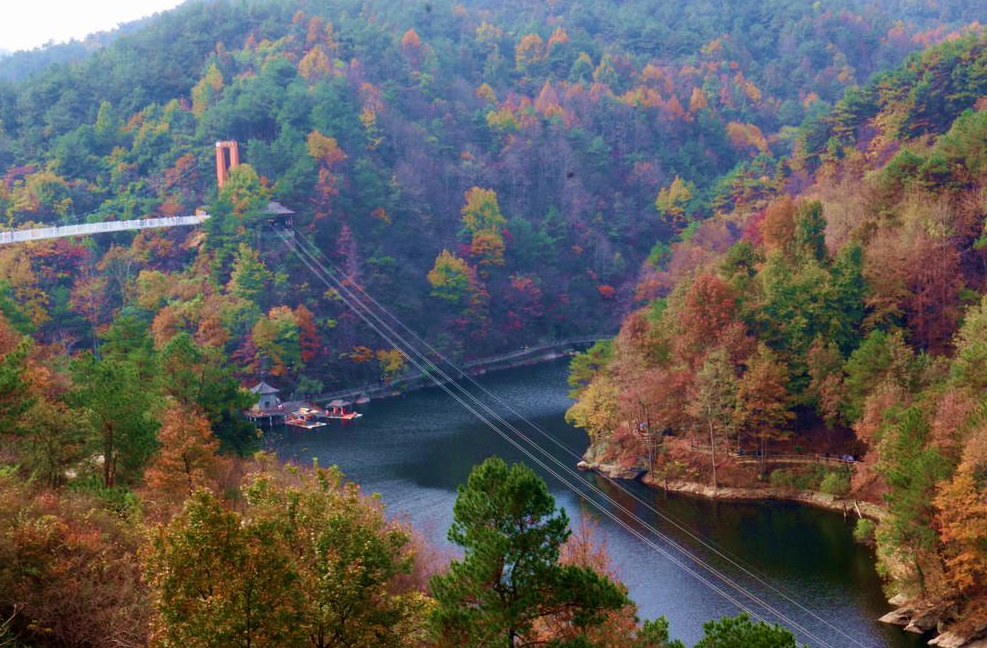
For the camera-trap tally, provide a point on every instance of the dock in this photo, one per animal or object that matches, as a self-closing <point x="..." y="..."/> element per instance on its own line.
<point x="302" y="415"/>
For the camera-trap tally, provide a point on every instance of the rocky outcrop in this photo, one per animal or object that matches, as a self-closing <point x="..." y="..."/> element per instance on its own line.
<point x="953" y="640"/>
<point x="594" y="459"/>
<point x="613" y="471"/>
<point x="922" y="617"/>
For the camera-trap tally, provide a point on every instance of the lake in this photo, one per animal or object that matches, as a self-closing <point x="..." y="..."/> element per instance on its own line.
<point x="416" y="449"/>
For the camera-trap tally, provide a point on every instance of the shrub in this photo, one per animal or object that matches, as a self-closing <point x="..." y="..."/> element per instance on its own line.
<point x="864" y="531"/>
<point x="796" y="479"/>
<point x="836" y="483"/>
<point x="783" y="478"/>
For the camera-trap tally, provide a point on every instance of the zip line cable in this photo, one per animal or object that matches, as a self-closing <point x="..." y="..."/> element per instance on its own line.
<point x="580" y="479"/>
<point x="332" y="282"/>
<point x="469" y="408"/>
<point x="566" y="468"/>
<point x="733" y="560"/>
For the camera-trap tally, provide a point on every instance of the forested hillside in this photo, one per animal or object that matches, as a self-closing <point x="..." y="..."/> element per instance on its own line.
<point x="846" y="315"/>
<point x="496" y="172"/>
<point x="800" y="251"/>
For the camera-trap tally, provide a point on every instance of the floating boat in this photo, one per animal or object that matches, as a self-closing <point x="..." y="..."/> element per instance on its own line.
<point x="343" y="416"/>
<point x="306" y="418"/>
<point x="362" y="399"/>
<point x="336" y="410"/>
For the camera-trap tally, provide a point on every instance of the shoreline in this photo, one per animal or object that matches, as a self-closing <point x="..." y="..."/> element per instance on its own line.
<point x="847" y="506"/>
<point x="479" y="367"/>
<point x="917" y="616"/>
<point x="817" y="499"/>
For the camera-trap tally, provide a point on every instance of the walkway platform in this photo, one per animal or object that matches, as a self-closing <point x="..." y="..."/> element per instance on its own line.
<point x="86" y="229"/>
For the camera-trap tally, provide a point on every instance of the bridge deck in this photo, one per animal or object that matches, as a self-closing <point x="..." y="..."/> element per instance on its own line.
<point x="22" y="236"/>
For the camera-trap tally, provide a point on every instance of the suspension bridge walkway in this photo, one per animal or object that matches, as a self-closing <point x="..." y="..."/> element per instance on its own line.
<point x="88" y="229"/>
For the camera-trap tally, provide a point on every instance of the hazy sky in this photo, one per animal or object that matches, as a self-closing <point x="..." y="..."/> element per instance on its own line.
<point x="29" y="23"/>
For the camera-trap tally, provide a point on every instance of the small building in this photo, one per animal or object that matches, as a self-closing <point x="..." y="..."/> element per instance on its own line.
<point x="267" y="396"/>
<point x="278" y="215"/>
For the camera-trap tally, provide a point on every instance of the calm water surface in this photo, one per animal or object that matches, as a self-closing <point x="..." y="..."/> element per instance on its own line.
<point x="414" y="451"/>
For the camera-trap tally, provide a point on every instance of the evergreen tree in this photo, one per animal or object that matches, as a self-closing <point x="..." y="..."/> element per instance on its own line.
<point x="510" y="577"/>
<point x="810" y="232"/>
<point x="118" y="405"/>
<point x="741" y="632"/>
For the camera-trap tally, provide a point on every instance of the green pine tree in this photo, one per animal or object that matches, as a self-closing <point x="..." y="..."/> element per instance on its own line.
<point x="510" y="578"/>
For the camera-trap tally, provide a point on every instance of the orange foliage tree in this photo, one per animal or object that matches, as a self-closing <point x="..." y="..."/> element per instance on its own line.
<point x="763" y="400"/>
<point x="528" y="51"/>
<point x="483" y="220"/>
<point x="962" y="517"/>
<point x="187" y="457"/>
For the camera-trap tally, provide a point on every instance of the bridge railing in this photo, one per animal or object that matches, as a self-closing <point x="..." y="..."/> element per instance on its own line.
<point x="770" y="456"/>
<point x="60" y="231"/>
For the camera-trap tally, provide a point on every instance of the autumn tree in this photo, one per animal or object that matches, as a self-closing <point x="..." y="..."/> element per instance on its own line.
<point x="707" y="318"/>
<point x="711" y="401"/>
<point x="187" y="458"/>
<point x="200" y="379"/>
<point x="207" y="90"/>
<point x="277" y="338"/>
<point x="392" y="363"/>
<point x="309" y="562"/>
<point x="316" y="64"/>
<point x="308" y="334"/>
<point x="528" y="51"/>
<point x="672" y="202"/>
<point x="962" y="517"/>
<point x="778" y="228"/>
<point x="483" y="221"/>
<point x="411" y="47"/>
<point x="69" y="569"/>
<point x="219" y="581"/>
<point x="825" y="390"/>
<point x="349" y="559"/>
<point x="763" y="400"/>
<point x="324" y="149"/>
<point x="450" y="278"/>
<point x="596" y="409"/>
<point x="89" y="299"/>
<point x="697" y="101"/>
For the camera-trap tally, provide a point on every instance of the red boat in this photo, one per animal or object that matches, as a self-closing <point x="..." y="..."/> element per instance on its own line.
<point x="337" y="410"/>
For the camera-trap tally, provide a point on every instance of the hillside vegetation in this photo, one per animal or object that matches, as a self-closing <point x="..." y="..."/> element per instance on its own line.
<point x="799" y="253"/>
<point x="495" y="172"/>
<point x="848" y="316"/>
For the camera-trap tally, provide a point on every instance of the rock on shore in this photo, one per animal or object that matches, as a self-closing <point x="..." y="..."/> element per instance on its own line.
<point x="920" y="617"/>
